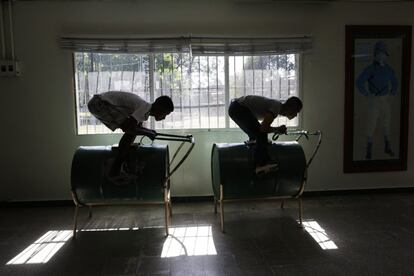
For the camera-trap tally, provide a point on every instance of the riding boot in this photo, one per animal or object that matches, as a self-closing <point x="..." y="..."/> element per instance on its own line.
<point x="387" y="148"/>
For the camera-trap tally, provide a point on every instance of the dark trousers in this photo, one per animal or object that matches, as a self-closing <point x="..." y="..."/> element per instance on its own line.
<point x="245" y="119"/>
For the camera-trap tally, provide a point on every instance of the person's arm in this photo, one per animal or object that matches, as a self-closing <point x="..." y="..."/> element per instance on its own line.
<point x="130" y="125"/>
<point x="361" y="80"/>
<point x="266" y="125"/>
<point x="150" y="133"/>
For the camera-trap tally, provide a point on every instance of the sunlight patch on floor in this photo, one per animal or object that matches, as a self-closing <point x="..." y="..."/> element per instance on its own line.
<point x="189" y="241"/>
<point x="110" y="229"/>
<point x="42" y="250"/>
<point x="319" y="234"/>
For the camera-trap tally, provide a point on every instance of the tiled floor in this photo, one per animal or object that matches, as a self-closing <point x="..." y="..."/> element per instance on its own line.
<point x="365" y="235"/>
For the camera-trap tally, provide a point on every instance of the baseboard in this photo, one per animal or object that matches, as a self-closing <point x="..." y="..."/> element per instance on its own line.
<point x="359" y="191"/>
<point x="184" y="199"/>
<point x="188" y="199"/>
<point x="42" y="203"/>
<point x="59" y="203"/>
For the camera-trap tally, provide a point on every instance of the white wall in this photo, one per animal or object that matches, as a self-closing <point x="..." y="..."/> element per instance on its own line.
<point x="37" y="113"/>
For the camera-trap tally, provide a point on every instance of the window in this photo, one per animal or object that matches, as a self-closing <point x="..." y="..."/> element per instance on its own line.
<point x="200" y="85"/>
<point x="273" y="76"/>
<point x="196" y="87"/>
<point x="100" y="72"/>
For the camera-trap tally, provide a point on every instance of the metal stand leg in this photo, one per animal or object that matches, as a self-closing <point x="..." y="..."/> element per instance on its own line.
<point x="300" y="212"/>
<point x="75" y="221"/>
<point x="170" y="208"/>
<point x="167" y="202"/>
<point x="167" y="217"/>
<point x="282" y="204"/>
<point x="221" y="209"/>
<point x="90" y="212"/>
<point x="215" y="205"/>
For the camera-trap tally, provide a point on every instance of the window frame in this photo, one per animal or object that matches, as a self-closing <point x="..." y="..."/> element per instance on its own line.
<point x="226" y="128"/>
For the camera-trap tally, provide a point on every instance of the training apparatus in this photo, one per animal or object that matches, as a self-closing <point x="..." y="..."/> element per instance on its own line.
<point x="234" y="178"/>
<point x="149" y="163"/>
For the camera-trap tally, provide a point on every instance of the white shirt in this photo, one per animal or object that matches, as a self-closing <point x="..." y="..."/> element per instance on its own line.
<point x="128" y="103"/>
<point x="260" y="105"/>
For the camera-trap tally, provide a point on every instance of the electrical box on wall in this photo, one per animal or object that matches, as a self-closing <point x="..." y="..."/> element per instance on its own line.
<point x="10" y="68"/>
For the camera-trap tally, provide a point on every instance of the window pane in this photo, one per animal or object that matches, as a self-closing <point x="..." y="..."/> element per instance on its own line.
<point x="272" y="76"/>
<point x="96" y="73"/>
<point x="196" y="84"/>
<point x="196" y="87"/>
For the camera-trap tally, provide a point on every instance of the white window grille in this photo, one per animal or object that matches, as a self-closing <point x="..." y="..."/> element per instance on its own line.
<point x="100" y="72"/>
<point x="196" y="84"/>
<point x="196" y="87"/>
<point x="272" y="76"/>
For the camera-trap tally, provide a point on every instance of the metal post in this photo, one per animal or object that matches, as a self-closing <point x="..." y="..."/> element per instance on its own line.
<point x="166" y="218"/>
<point x="169" y="199"/>
<point x="11" y="30"/>
<point x="75" y="221"/>
<point x="151" y="80"/>
<point x="227" y="90"/>
<point x="221" y="209"/>
<point x="3" y="39"/>
<point x="300" y="212"/>
<point x="167" y="212"/>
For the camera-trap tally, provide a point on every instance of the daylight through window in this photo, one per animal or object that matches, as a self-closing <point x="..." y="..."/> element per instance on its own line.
<point x="201" y="86"/>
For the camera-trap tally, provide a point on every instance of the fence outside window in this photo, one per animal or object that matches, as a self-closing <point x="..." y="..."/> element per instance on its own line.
<point x="200" y="86"/>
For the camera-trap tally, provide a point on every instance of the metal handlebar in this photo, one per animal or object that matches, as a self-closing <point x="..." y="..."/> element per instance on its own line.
<point x="173" y="137"/>
<point x="305" y="133"/>
<point x="318" y="144"/>
<point x="177" y="138"/>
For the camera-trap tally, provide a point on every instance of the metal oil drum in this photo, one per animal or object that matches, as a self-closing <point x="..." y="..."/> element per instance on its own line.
<point x="232" y="166"/>
<point x="90" y="165"/>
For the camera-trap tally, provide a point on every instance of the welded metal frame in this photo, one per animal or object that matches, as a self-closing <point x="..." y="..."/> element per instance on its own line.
<point x="303" y="133"/>
<point x="166" y="202"/>
<point x="166" y="187"/>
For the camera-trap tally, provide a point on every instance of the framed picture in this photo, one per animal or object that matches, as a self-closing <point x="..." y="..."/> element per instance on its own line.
<point x="377" y="68"/>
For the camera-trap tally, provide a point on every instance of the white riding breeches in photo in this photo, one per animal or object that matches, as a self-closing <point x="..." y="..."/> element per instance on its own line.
<point x="379" y="111"/>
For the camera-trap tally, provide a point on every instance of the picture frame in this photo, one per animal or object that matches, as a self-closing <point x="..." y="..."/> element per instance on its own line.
<point x="377" y="80"/>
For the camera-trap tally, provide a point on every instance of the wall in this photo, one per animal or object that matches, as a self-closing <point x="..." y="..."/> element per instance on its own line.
<point x="37" y="115"/>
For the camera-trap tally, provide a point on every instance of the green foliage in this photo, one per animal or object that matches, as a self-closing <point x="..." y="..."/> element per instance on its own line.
<point x="287" y="62"/>
<point x="164" y="63"/>
<point x="90" y="62"/>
